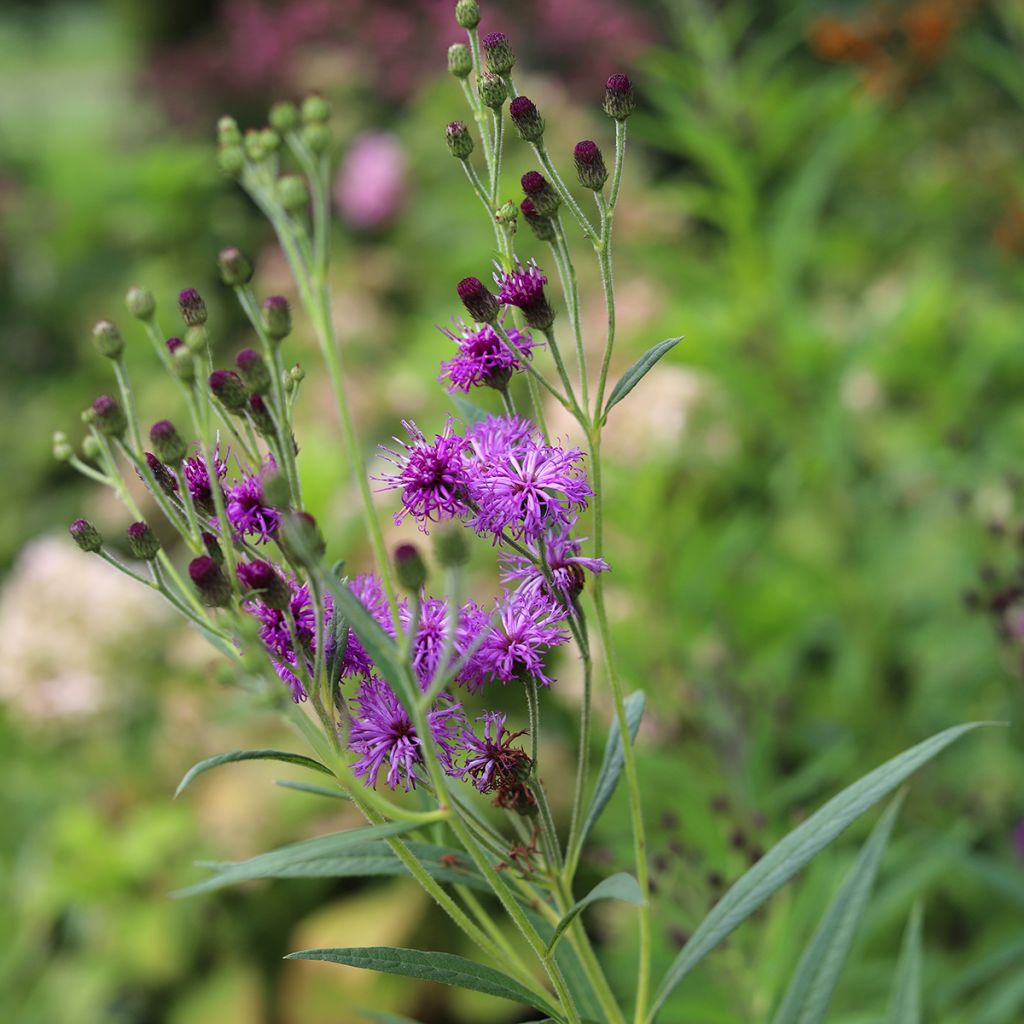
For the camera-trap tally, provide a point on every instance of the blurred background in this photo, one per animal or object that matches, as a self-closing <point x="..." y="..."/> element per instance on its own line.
<point x="815" y="499"/>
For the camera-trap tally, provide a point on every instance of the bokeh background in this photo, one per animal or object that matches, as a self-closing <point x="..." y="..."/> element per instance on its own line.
<point x="814" y="499"/>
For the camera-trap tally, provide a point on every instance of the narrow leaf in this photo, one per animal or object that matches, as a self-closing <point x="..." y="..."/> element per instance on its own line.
<point x="249" y="755"/>
<point x="785" y="859"/>
<point x="387" y="1018"/>
<point x="806" y="1001"/>
<point x="614" y="759"/>
<point x="905" y="1005"/>
<point x="308" y="787"/>
<point x="445" y="968"/>
<point x="470" y="412"/>
<point x="617" y="887"/>
<point x="638" y="371"/>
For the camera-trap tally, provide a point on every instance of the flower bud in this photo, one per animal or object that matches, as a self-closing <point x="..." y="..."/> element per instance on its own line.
<point x="62" y="450"/>
<point x="507" y="218"/>
<point x="467" y="13"/>
<point x="254" y="146"/>
<point x="277" y="317"/>
<point x="228" y="133"/>
<point x="525" y="116"/>
<point x="264" y="581"/>
<point x="197" y="340"/>
<point x="539" y="314"/>
<point x="142" y="542"/>
<point x="253" y="370"/>
<point x="492" y="89"/>
<point x="213" y="586"/>
<point x="193" y="309"/>
<point x="296" y="375"/>
<point x="85" y="535"/>
<point x="317" y="137"/>
<point x="284" y="116"/>
<point x="315" y="109"/>
<point x="276" y="491"/>
<point x="107" y="339"/>
<point x="540" y="226"/>
<point x="173" y="344"/>
<point x="498" y="53"/>
<point x="183" y="363"/>
<point x="107" y="416"/>
<point x="162" y="475"/>
<point x="450" y="547"/>
<point x="140" y="303"/>
<point x="270" y="140"/>
<point x="460" y="142"/>
<point x="460" y="60"/>
<point x="167" y="443"/>
<point x="619" y="100"/>
<point x="302" y="539"/>
<point x="228" y="389"/>
<point x="235" y="268"/>
<point x="212" y="546"/>
<point x="231" y="160"/>
<point x="590" y="165"/>
<point x="480" y="303"/>
<point x="410" y="569"/>
<point x="292" y="192"/>
<point x="91" y="448"/>
<point x="260" y="415"/>
<point x="538" y="190"/>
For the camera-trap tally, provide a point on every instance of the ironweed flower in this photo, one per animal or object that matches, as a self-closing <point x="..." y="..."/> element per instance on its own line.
<point x="483" y="359"/>
<point x="524" y="287"/>
<point x="528" y="626"/>
<point x="564" y="560"/>
<point x="492" y="763"/>
<point x="247" y="509"/>
<point x="197" y="479"/>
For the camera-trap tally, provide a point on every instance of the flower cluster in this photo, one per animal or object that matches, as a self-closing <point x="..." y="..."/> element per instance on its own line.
<point x="482" y="358"/>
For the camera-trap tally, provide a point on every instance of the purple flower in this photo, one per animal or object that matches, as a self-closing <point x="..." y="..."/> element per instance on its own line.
<point x="482" y="359"/>
<point x="431" y="475"/>
<point x="521" y="287"/>
<point x="371" y="186"/>
<point x="247" y="511"/>
<point x="492" y="763"/>
<point x="384" y="736"/>
<point x="514" y="649"/>
<point x="370" y="592"/>
<point x="535" y="487"/>
<point x="499" y="436"/>
<point x="567" y="565"/>
<point x="197" y="477"/>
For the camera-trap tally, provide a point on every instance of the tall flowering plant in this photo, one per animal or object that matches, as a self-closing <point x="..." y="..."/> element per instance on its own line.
<point x="385" y="674"/>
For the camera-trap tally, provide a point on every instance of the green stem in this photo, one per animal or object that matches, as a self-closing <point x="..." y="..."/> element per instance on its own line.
<point x="499" y="141"/>
<point x="604" y="259"/>
<point x="556" y="179"/>
<point x="570" y="287"/>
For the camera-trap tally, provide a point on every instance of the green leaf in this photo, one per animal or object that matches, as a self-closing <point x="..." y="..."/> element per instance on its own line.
<point x="470" y="412"/>
<point x="905" y="1004"/>
<point x="806" y="1001"/>
<point x="614" y="759"/>
<point x="249" y="755"/>
<point x="387" y="1018"/>
<point x="785" y="859"/>
<point x="308" y="787"/>
<point x="638" y="371"/>
<point x="445" y="968"/>
<point x="621" y="886"/>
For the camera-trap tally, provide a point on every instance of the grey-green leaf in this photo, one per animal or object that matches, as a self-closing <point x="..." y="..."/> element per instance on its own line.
<point x="445" y="968"/>
<point x="809" y="993"/>
<point x="308" y="787"/>
<point x="905" y="1004"/>
<point x="622" y="886"/>
<point x="614" y="759"/>
<point x="470" y="412"/>
<point x="785" y="859"/>
<point x="638" y="371"/>
<point x="249" y="755"/>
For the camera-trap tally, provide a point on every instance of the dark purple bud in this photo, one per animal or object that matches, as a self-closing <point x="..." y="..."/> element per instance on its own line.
<point x="213" y="586"/>
<point x="498" y="54"/>
<point x="526" y="118"/>
<point x="173" y="344"/>
<point x="538" y="189"/>
<point x="108" y="416"/>
<point x="277" y="317"/>
<point x="212" y="546"/>
<point x="228" y="389"/>
<point x="590" y="165"/>
<point x="193" y="309"/>
<point x="619" y="100"/>
<point x="252" y="368"/>
<point x="167" y="442"/>
<point x="85" y="535"/>
<point x="410" y="569"/>
<point x="480" y="303"/>
<point x="235" y="268"/>
<point x="142" y="542"/>
<point x="162" y="475"/>
<point x="460" y="142"/>
<point x="540" y="226"/>
<point x="261" y="417"/>
<point x="265" y="582"/>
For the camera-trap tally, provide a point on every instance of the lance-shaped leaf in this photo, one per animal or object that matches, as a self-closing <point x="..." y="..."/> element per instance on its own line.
<point x="622" y="886"/>
<point x="614" y="759"/>
<point x="638" y="371"/>
<point x="809" y="993"/>
<point x="905" y="1004"/>
<point x="785" y="859"/>
<point x="445" y="968"/>
<point x="249" y="755"/>
<point x="308" y="787"/>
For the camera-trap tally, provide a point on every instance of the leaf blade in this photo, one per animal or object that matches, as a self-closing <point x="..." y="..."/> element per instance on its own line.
<point x="638" y="371"/>
<point x="248" y="755"/>
<point x="621" y="886"/>
<point x="905" y="1003"/>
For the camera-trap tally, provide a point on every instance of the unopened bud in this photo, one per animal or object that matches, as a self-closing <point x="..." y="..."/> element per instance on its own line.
<point x="228" y="389"/>
<point x="107" y="339"/>
<point x="410" y="569"/>
<point x="62" y="450"/>
<point x="228" y="133"/>
<point x="270" y="140"/>
<point x="91" y="448"/>
<point x="460" y="60"/>
<point x="460" y="142"/>
<point x="492" y="89"/>
<point x="168" y="445"/>
<point x="538" y="189"/>
<point x="467" y="13"/>
<point x="254" y="146"/>
<point x="193" y="309"/>
<point x="107" y="416"/>
<point x="590" y="165"/>
<point x="540" y="226"/>
<point x="140" y="303"/>
<point x="525" y="116"/>
<point x="277" y="317"/>
<point x="317" y="137"/>
<point x="507" y="218"/>
<point x="315" y="109"/>
<point x="235" y="268"/>
<point x="260" y="416"/>
<point x="296" y="375"/>
<point x="197" y="340"/>
<point x="85" y="535"/>
<point x="183" y="364"/>
<point x="212" y="546"/>
<point x="284" y="116"/>
<point x="142" y="542"/>
<point x="619" y="99"/>
<point x="302" y="538"/>
<point x="264" y="581"/>
<point x="165" y="480"/>
<point x="207" y="577"/>
<point x="253" y="370"/>
<point x="498" y="53"/>
<point x="276" y="491"/>
<point x="231" y="160"/>
<point x="480" y="303"/>
<point x="450" y="547"/>
<point x="292" y="192"/>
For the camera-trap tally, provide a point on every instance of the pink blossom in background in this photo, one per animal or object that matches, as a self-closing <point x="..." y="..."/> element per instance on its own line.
<point x="371" y="184"/>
